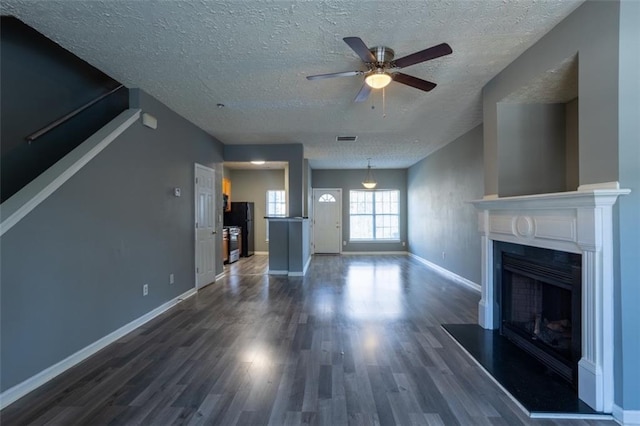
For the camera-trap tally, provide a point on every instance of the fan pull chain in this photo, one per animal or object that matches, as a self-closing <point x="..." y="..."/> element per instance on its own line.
<point x="384" y="107"/>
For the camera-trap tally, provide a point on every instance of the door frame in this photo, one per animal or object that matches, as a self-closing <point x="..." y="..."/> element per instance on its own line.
<point x="197" y="166"/>
<point x="316" y="192"/>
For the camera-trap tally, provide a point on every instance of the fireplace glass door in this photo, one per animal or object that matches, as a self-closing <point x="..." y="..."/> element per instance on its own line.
<point x="540" y="311"/>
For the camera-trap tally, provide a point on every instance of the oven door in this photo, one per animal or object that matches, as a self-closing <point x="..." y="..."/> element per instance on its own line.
<point x="234" y="252"/>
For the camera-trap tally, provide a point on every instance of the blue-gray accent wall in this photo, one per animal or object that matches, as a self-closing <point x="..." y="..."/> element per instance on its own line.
<point x="72" y="270"/>
<point x="440" y="218"/>
<point x="628" y="282"/>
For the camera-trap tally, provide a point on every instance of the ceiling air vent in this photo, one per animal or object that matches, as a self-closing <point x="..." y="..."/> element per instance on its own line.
<point x="346" y="138"/>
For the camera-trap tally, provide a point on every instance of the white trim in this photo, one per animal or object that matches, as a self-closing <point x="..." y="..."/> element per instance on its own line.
<point x="261" y="253"/>
<point x="36" y="191"/>
<point x="197" y="166"/>
<point x="221" y="275"/>
<point x="448" y="274"/>
<point x="365" y="253"/>
<point x="626" y="417"/>
<point x="21" y="389"/>
<point x="570" y="416"/>
<point x="278" y="272"/>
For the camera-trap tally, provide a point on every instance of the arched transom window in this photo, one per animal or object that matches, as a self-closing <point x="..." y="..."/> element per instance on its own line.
<point x="327" y="198"/>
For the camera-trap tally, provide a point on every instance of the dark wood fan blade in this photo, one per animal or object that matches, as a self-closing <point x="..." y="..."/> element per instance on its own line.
<point x="334" y="74"/>
<point x="363" y="94"/>
<point x="423" y="55"/>
<point x="418" y="83"/>
<point x="360" y="48"/>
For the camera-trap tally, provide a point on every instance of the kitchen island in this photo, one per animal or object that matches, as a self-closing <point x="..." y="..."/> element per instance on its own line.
<point x="289" y="245"/>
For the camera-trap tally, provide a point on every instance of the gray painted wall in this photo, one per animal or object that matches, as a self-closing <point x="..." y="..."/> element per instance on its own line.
<point x="572" y="153"/>
<point x="608" y="144"/>
<point x="352" y="179"/>
<point x="293" y="153"/>
<point x="597" y="94"/>
<point x="252" y="185"/>
<point x="440" y="217"/>
<point x="72" y="270"/>
<point x="531" y="155"/>
<point x="628" y="282"/>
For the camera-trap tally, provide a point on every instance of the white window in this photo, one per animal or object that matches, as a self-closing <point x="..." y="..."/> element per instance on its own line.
<point x="276" y="205"/>
<point x="374" y="215"/>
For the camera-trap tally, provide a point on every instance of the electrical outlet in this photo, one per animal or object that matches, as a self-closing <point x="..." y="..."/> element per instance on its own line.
<point x="444" y="255"/>
<point x="171" y="280"/>
<point x="344" y="243"/>
<point x="404" y="244"/>
<point x="145" y="289"/>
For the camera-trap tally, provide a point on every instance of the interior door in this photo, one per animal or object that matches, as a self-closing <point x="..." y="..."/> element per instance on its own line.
<point x="327" y="220"/>
<point x="205" y="225"/>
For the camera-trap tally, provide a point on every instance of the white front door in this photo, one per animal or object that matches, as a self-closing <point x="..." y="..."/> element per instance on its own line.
<point x="205" y="226"/>
<point x="327" y="220"/>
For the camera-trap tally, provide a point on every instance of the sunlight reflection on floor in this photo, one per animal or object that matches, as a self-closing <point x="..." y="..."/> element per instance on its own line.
<point x="373" y="292"/>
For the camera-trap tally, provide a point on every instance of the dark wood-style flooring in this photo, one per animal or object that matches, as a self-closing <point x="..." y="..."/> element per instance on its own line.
<point x="356" y="341"/>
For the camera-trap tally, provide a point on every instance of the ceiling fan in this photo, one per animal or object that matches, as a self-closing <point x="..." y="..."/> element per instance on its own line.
<point x="382" y="68"/>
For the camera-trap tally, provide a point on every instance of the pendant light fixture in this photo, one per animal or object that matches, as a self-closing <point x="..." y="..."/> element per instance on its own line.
<point x="369" y="182"/>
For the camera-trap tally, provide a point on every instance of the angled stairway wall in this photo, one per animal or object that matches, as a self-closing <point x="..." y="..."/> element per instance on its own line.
<point x="42" y="83"/>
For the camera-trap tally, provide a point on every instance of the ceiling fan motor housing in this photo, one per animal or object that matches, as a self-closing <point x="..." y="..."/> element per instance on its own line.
<point x="384" y="55"/>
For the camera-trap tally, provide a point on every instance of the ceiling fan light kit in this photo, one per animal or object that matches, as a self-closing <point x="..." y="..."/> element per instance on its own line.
<point x="378" y="79"/>
<point x="382" y="68"/>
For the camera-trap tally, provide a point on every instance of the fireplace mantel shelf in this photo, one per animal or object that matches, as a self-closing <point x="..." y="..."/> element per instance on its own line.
<point x="580" y="198"/>
<point x="577" y="222"/>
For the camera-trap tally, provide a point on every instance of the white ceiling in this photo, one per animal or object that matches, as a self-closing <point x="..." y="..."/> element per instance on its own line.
<point x="253" y="57"/>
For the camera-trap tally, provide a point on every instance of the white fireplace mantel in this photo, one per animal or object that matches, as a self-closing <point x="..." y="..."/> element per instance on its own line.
<point x="577" y="222"/>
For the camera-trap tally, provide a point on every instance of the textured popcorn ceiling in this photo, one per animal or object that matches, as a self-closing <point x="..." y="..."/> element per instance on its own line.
<point x="558" y="85"/>
<point x="253" y="57"/>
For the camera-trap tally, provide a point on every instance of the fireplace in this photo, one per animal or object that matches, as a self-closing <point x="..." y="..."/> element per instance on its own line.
<point x="539" y="304"/>
<point x="577" y="222"/>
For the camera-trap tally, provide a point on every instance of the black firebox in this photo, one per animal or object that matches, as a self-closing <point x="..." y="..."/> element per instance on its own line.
<point x="540" y="305"/>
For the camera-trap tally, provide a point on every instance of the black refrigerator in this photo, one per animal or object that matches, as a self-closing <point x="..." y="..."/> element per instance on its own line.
<point x="241" y="214"/>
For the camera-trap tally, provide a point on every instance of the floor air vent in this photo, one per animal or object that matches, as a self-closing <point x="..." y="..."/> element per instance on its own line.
<point x="346" y="138"/>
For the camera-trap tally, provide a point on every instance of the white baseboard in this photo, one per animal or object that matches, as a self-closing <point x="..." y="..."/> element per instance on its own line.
<point x="261" y="253"/>
<point x="448" y="274"/>
<point x="278" y="272"/>
<point x="220" y="276"/>
<point x="18" y="391"/>
<point x="626" y="417"/>
<point x="374" y="253"/>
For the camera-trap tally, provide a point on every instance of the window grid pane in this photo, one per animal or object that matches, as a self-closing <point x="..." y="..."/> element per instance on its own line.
<point x="374" y="215"/>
